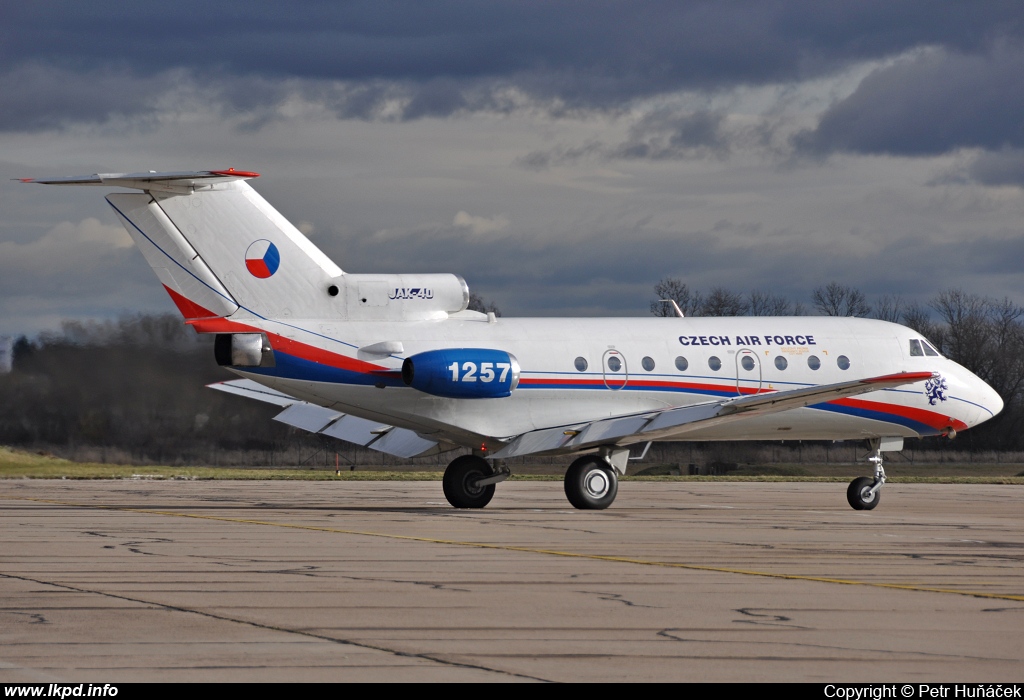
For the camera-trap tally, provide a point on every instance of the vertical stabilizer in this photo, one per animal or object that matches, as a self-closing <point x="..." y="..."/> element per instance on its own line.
<point x="266" y="264"/>
<point x="185" y="275"/>
<point x="221" y="250"/>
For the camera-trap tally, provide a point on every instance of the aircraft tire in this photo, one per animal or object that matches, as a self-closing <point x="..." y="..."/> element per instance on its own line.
<point x="856" y="494"/>
<point x="458" y="482"/>
<point x="590" y="484"/>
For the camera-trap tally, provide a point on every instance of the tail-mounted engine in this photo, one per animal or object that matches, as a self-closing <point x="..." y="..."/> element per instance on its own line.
<point x="462" y="373"/>
<point x="243" y="350"/>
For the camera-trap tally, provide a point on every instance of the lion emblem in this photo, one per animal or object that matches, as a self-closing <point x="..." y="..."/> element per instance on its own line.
<point x="935" y="389"/>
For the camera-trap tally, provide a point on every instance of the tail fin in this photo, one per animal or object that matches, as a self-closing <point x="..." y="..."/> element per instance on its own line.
<point x="221" y="250"/>
<point x="255" y="257"/>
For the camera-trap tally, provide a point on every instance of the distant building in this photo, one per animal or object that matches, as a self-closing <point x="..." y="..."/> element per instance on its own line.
<point x="6" y="354"/>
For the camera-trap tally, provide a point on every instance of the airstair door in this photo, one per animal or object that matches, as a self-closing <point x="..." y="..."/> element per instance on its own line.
<point x="748" y="372"/>
<point x="615" y="372"/>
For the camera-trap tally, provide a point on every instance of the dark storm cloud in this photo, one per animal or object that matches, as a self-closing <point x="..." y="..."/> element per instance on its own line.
<point x="930" y="104"/>
<point x="1004" y="167"/>
<point x="446" y="57"/>
<point x="664" y="134"/>
<point x="38" y="97"/>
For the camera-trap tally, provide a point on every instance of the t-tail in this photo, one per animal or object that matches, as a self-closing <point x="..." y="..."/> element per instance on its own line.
<point x="222" y="251"/>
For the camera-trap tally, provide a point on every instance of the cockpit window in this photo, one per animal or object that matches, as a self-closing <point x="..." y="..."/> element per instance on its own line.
<point x="921" y="347"/>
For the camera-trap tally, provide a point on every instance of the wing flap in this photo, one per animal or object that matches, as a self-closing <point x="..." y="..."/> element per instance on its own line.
<point x="547" y="440"/>
<point x="400" y="442"/>
<point x="251" y="390"/>
<point x="610" y="430"/>
<point x="307" y="416"/>
<point x="357" y="430"/>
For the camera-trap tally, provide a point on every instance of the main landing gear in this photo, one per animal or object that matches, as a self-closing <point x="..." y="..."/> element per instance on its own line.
<point x="469" y="481"/>
<point x="865" y="492"/>
<point x="591" y="482"/>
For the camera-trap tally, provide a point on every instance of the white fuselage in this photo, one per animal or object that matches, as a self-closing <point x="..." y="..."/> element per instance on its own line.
<point x="754" y="355"/>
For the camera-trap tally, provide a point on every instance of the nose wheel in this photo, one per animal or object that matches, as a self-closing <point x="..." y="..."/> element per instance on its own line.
<point x="864" y="493"/>
<point x="861" y="495"/>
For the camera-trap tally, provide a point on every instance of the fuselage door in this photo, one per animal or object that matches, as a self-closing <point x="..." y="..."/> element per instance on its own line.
<point x="748" y="372"/>
<point x="615" y="373"/>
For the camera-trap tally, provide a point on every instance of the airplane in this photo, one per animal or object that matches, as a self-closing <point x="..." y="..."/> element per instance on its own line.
<point x="399" y="364"/>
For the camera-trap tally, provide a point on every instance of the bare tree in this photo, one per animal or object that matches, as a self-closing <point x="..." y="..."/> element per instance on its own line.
<point x="723" y="302"/>
<point x="919" y="318"/>
<point x="767" y="304"/>
<point x="889" y="307"/>
<point x="968" y="331"/>
<point x="478" y="303"/>
<point x="690" y="302"/>
<point x="1007" y="366"/>
<point x="836" y="299"/>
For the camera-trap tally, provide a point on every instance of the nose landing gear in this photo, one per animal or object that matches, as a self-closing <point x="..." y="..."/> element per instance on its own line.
<point x="864" y="493"/>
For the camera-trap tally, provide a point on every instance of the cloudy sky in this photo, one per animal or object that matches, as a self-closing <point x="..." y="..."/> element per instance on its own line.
<point x="561" y="156"/>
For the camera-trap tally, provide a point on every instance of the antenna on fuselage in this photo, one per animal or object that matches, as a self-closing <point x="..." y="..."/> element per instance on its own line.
<point x="679" y="312"/>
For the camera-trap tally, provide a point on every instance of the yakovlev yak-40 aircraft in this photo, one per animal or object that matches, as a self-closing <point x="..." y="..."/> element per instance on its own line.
<point x="397" y="363"/>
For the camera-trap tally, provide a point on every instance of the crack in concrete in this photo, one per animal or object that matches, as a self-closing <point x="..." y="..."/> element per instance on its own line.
<point x="276" y="628"/>
<point x="669" y="633"/>
<point x="771" y="620"/>
<point x="618" y="598"/>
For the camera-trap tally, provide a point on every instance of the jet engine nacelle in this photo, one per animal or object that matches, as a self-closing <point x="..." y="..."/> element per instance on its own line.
<point x="243" y="350"/>
<point x="462" y="373"/>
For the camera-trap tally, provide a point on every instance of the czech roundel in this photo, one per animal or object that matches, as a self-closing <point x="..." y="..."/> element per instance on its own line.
<point x="262" y="259"/>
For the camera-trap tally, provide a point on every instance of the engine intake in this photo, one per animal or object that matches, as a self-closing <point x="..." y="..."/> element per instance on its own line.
<point x="463" y="373"/>
<point x="243" y="350"/>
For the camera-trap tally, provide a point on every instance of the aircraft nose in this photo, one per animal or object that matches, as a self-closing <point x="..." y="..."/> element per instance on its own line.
<point x="994" y="402"/>
<point x="991" y="403"/>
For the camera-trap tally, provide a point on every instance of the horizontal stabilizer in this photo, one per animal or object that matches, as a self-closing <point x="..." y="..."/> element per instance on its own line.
<point x="374" y="435"/>
<point x="177" y="182"/>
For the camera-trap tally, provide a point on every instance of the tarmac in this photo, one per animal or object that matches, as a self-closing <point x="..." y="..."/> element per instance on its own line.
<point x="359" y="581"/>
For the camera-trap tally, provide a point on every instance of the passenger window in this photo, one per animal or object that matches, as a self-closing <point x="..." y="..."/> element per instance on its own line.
<point x="681" y="364"/>
<point x="843" y="361"/>
<point x="614" y="364"/>
<point x="714" y="363"/>
<point x="813" y="362"/>
<point x="915" y="349"/>
<point x="581" y="364"/>
<point x="747" y="362"/>
<point x="781" y="362"/>
<point x="648" y="364"/>
<point x="929" y="350"/>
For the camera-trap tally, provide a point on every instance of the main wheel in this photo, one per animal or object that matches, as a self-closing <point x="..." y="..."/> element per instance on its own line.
<point x="590" y="484"/>
<point x="859" y="493"/>
<point x="460" y="482"/>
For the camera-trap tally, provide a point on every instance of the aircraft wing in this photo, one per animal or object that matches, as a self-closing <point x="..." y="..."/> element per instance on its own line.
<point x="382" y="437"/>
<point x="672" y="422"/>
